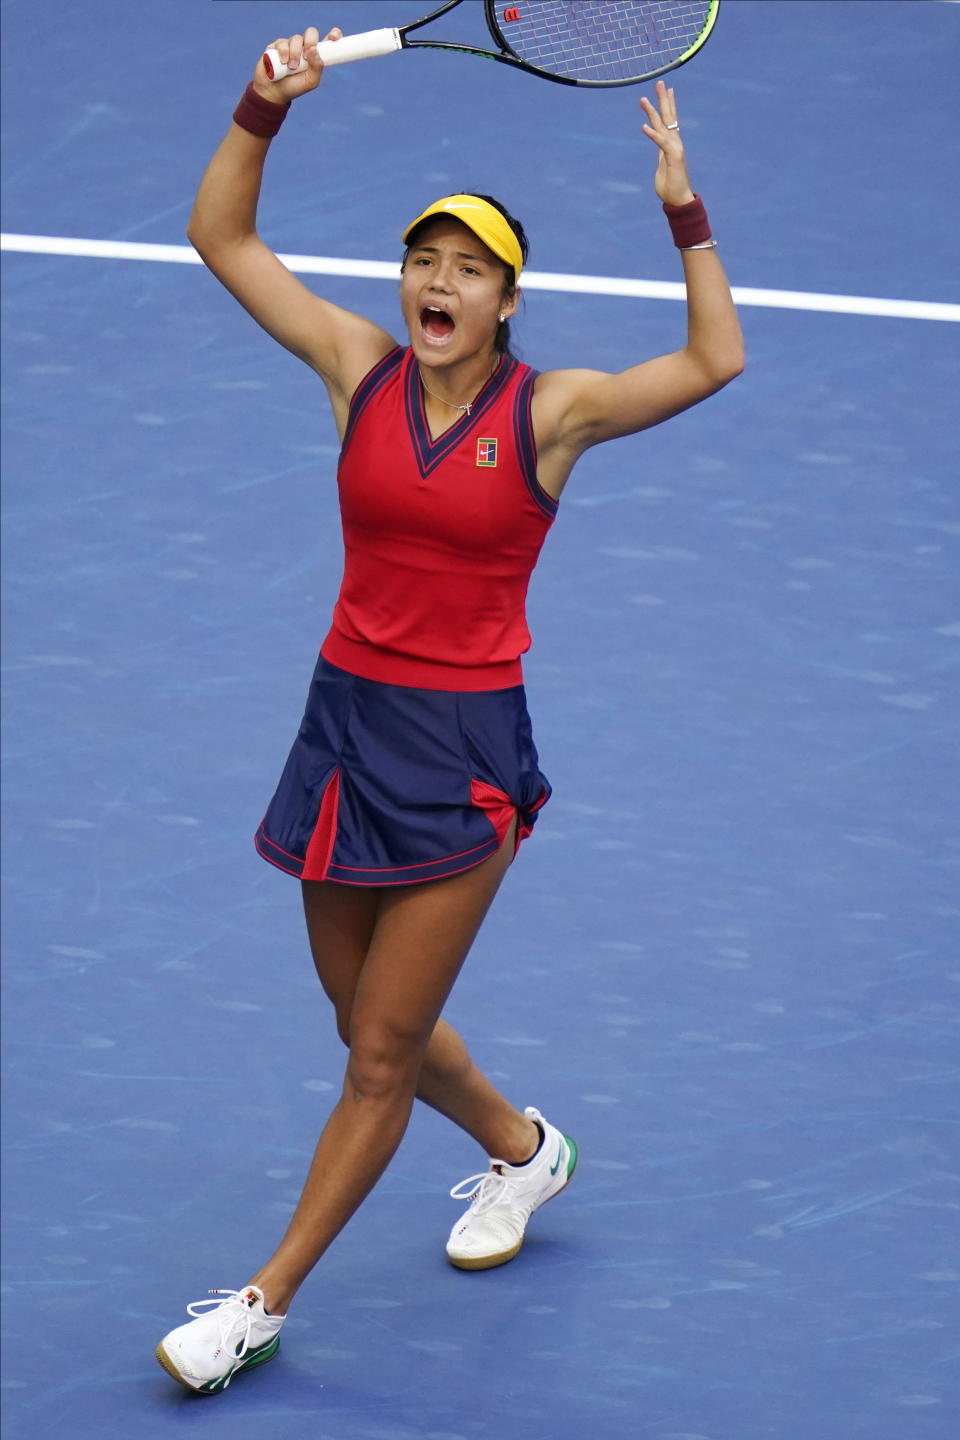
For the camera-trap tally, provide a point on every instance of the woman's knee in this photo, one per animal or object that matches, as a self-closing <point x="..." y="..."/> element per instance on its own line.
<point x="383" y="1059"/>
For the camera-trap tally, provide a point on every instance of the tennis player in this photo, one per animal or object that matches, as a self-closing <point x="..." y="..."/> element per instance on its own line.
<point x="414" y="775"/>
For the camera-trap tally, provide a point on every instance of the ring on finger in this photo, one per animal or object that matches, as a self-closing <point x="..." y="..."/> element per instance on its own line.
<point x="674" y="125"/>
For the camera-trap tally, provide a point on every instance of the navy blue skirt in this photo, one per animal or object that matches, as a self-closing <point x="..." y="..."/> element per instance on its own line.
<point x="388" y="785"/>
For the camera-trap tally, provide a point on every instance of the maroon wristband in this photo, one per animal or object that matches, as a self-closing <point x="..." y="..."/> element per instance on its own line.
<point x="261" y="117"/>
<point x="688" y="223"/>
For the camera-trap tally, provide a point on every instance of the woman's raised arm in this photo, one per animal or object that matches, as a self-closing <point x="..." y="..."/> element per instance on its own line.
<point x="574" y="409"/>
<point x="339" y="345"/>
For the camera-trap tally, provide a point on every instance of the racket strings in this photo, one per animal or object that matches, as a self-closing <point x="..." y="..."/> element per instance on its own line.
<point x="601" y="39"/>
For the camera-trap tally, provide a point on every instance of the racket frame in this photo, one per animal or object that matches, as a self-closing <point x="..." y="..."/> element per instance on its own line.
<point x="509" y="57"/>
<point x="335" y="55"/>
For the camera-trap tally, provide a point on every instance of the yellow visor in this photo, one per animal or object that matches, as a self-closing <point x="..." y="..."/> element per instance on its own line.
<point x="484" y="220"/>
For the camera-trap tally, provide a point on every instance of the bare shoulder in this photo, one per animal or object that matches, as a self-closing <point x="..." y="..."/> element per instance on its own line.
<point x="555" y="394"/>
<point x="354" y="345"/>
<point x="559" y="401"/>
<point x="340" y="346"/>
<point x="575" y="409"/>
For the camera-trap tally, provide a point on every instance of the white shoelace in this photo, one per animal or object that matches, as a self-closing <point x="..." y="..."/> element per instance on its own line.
<point x="483" y="1191"/>
<point x="228" y="1319"/>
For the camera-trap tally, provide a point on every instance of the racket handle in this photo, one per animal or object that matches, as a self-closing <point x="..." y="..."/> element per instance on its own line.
<point x="337" y="52"/>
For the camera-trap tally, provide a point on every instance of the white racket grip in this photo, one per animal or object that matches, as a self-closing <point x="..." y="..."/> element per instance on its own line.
<point x="337" y="52"/>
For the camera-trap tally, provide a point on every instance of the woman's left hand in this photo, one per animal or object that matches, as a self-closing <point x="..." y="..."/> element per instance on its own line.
<point x="672" y="182"/>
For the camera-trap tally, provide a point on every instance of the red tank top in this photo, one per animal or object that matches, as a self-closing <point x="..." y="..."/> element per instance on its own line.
<point x="440" y="536"/>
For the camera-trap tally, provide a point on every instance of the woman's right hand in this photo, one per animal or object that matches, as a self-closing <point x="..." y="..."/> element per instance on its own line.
<point x="290" y="50"/>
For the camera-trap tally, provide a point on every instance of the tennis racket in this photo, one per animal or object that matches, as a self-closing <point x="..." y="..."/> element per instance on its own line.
<point x="575" y="42"/>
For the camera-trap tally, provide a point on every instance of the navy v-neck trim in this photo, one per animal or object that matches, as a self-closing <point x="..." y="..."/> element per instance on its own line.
<point x="429" y="452"/>
<point x="527" y="446"/>
<point x="372" y="382"/>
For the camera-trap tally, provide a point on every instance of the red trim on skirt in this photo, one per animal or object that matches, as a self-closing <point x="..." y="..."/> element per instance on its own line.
<point x="316" y="864"/>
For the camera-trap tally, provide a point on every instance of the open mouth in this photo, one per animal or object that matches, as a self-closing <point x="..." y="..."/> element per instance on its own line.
<point x="436" y="324"/>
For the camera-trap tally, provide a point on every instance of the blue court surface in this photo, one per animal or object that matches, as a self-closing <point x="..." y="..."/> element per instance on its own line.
<point x="728" y="961"/>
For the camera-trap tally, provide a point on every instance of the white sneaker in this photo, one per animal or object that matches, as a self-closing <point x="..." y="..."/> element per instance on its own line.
<point x="205" y="1353"/>
<point x="502" y="1201"/>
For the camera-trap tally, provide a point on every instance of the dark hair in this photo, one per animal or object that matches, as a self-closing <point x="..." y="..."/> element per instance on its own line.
<point x="501" y="341"/>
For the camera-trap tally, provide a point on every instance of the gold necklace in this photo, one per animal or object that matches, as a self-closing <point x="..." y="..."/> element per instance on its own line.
<point x="462" y="409"/>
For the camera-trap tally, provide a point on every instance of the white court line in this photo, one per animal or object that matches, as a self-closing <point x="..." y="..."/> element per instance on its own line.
<point x="532" y="279"/>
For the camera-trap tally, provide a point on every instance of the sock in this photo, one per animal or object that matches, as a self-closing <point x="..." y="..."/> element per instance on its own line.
<point x="543" y="1136"/>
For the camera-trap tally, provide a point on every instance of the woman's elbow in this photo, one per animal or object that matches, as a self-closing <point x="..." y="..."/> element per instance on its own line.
<point x="728" y="367"/>
<point x="195" y="234"/>
<point x="719" y="365"/>
<point x="737" y="366"/>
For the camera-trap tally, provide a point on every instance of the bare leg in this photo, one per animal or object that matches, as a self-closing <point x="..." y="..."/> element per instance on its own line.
<point x="453" y="1085"/>
<point x="420" y="940"/>
<point x="340" y="923"/>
